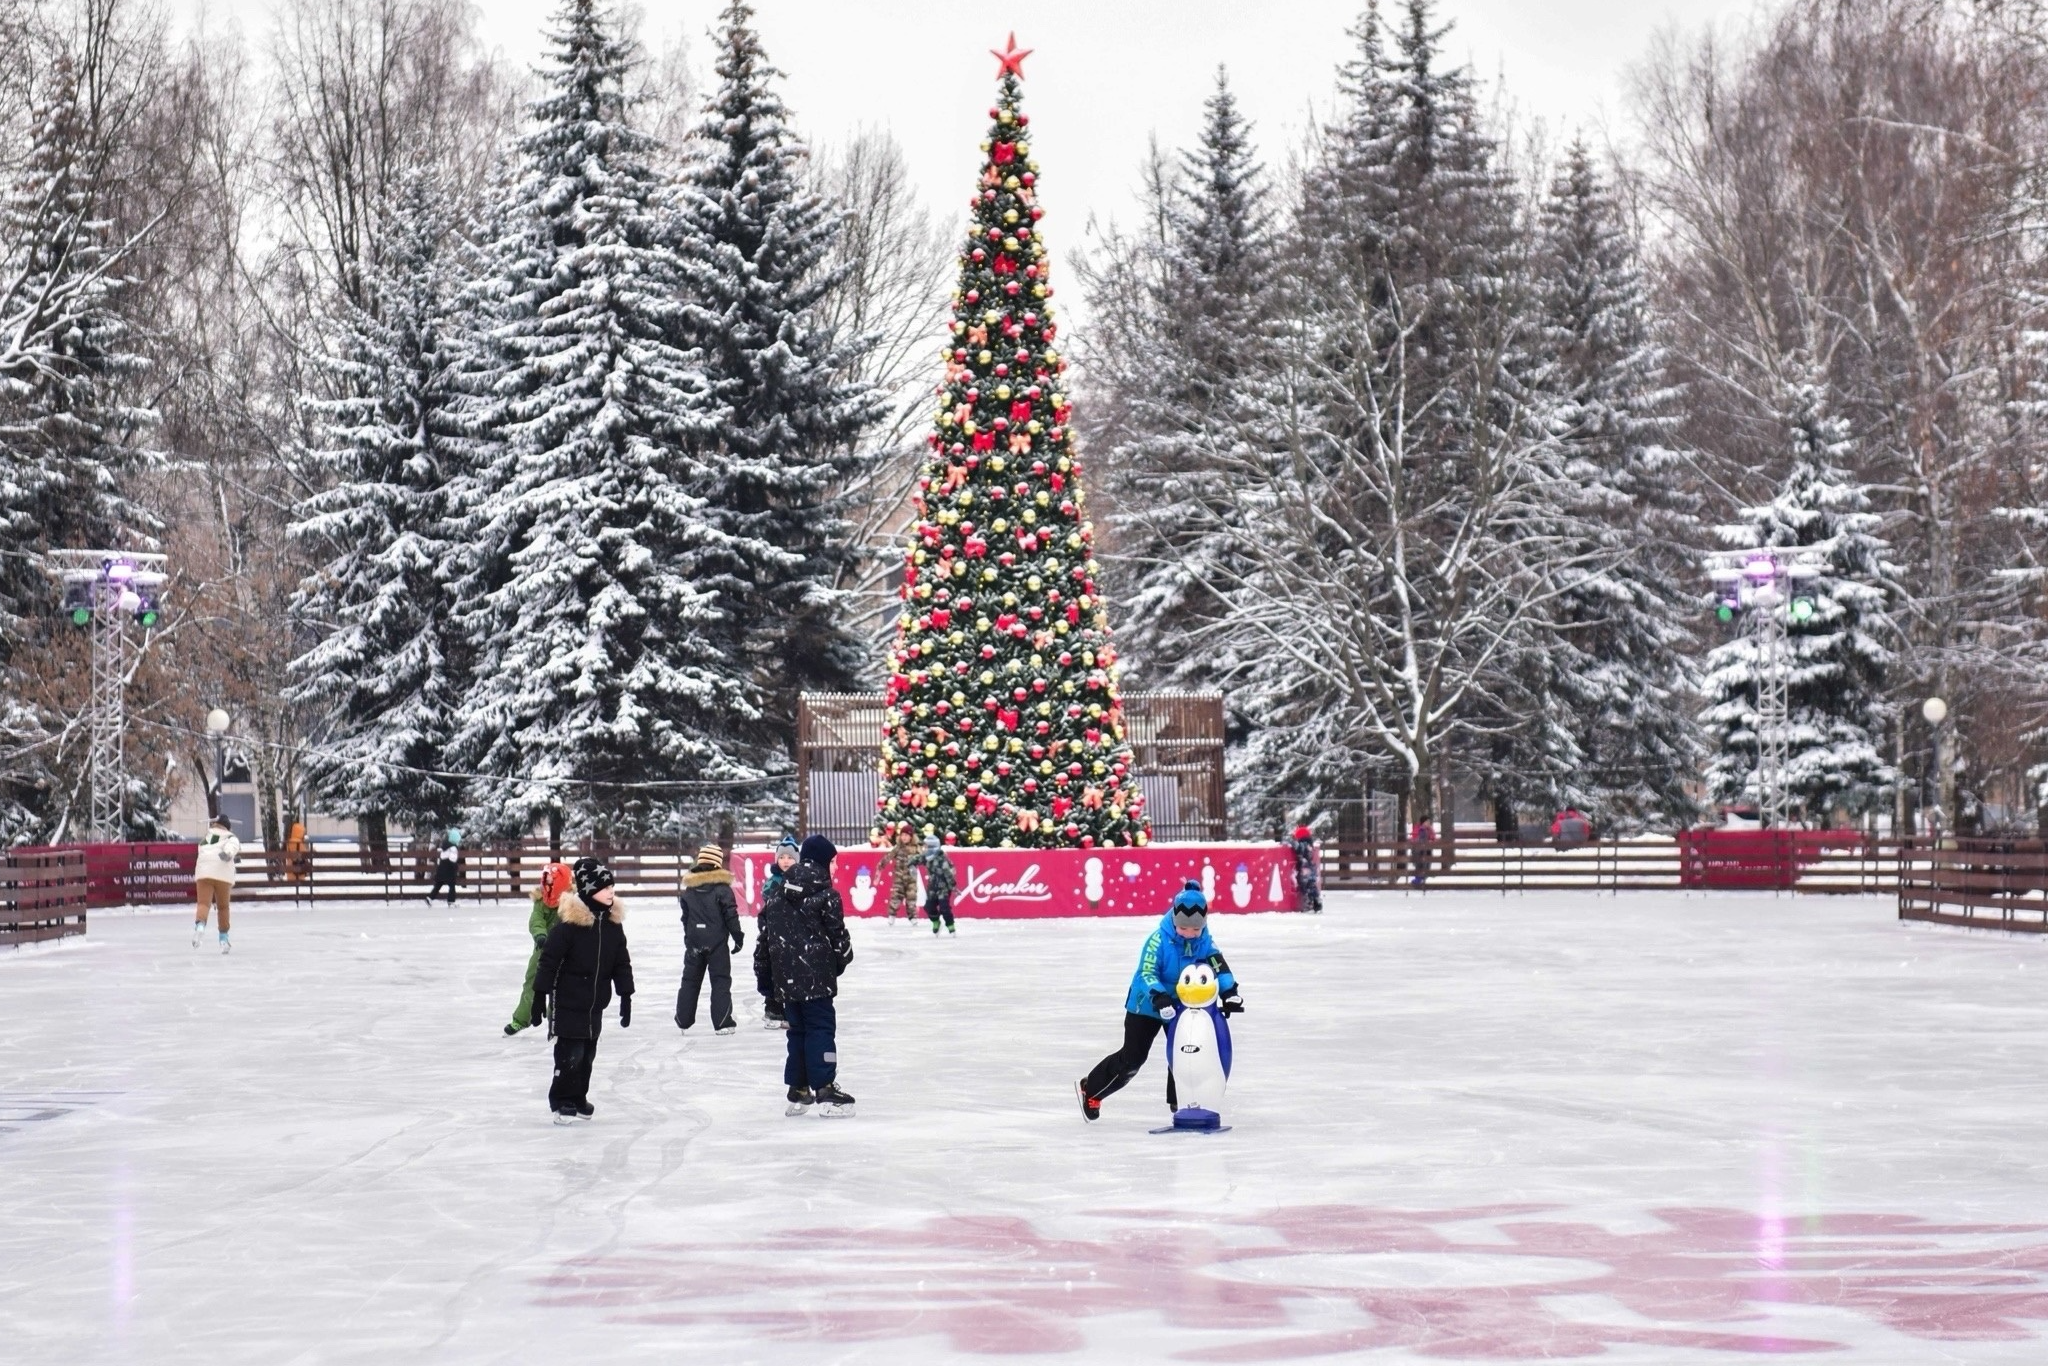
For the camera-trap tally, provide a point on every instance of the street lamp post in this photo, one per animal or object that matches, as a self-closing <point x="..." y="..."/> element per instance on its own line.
<point x="217" y="724"/>
<point x="1935" y="712"/>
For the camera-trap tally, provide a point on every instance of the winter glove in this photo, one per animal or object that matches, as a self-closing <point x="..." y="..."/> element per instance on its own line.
<point x="739" y="941"/>
<point x="1233" y="1004"/>
<point x="1164" y="1003"/>
<point x="625" y="1012"/>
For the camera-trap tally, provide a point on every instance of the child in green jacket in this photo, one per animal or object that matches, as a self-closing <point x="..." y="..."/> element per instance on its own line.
<point x="554" y="880"/>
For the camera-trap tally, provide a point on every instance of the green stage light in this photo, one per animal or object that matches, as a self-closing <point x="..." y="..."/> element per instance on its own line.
<point x="1724" y="613"/>
<point x="1802" y="609"/>
<point x="81" y="616"/>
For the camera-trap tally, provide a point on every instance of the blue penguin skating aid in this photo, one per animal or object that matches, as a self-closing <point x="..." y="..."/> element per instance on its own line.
<point x="1198" y="1050"/>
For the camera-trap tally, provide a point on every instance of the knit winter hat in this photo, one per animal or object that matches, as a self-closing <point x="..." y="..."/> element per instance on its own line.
<point x="931" y="842"/>
<point x="819" y="850"/>
<point x="786" y="842"/>
<point x="1302" y="832"/>
<point x="592" y="876"/>
<point x="1190" y="907"/>
<point x="710" y="859"/>
<point x="554" y="880"/>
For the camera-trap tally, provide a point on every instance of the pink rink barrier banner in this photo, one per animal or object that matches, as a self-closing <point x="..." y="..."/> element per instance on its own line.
<point x="1030" y="883"/>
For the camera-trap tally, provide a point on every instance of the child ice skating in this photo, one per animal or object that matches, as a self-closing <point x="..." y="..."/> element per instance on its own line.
<point x="1180" y="940"/>
<point x="800" y="950"/>
<point x="1308" y="873"/>
<point x="711" y="917"/>
<point x="447" y="866"/>
<point x="554" y="880"/>
<point x="901" y="865"/>
<point x="583" y="962"/>
<point x="939" y="883"/>
<point x="213" y="877"/>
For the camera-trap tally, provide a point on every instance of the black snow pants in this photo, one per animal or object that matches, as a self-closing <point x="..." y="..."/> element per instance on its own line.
<point x="696" y="962"/>
<point x="1114" y="1072"/>
<point x="444" y="876"/>
<point x="937" y="906"/>
<point x="571" y="1086"/>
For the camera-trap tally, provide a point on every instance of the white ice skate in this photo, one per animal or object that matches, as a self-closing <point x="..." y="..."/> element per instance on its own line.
<point x="225" y="944"/>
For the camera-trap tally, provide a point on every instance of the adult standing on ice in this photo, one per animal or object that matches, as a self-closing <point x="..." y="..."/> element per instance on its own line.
<point x="800" y="950"/>
<point x="1180" y="939"/>
<point x="711" y="917"/>
<point x="583" y="962"/>
<point x="547" y="899"/>
<point x="213" y="877"/>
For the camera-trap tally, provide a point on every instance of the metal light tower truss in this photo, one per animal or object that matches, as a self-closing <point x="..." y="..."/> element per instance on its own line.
<point x="1765" y="584"/>
<point x="104" y="590"/>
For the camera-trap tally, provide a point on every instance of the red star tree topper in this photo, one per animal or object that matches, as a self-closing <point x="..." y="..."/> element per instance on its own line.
<point x="1004" y="725"/>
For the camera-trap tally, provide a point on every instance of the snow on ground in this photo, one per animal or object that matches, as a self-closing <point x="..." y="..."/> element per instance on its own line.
<point x="1649" y="1128"/>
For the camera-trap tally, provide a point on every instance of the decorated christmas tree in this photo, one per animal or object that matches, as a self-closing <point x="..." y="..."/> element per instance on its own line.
<point x="1004" y="726"/>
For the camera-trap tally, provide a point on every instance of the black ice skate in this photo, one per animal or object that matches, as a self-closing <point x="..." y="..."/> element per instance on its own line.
<point x="833" y="1102"/>
<point x="799" y="1101"/>
<point x="1091" y="1108"/>
<point x="584" y="1110"/>
<point x="565" y="1116"/>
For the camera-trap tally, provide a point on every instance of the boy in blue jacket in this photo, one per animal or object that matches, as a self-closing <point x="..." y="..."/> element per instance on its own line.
<point x="1181" y="938"/>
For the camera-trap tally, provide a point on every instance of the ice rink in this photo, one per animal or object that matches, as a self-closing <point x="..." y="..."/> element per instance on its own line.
<point x="1647" y="1129"/>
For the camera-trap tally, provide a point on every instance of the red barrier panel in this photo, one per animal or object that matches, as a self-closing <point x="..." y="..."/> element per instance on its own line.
<point x="1763" y="860"/>
<point x="1034" y="883"/>
<point x="132" y="874"/>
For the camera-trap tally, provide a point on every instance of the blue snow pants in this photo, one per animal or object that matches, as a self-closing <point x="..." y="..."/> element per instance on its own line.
<point x="813" y="1051"/>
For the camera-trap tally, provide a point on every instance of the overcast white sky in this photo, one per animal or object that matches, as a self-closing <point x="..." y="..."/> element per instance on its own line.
<point x="1108" y="74"/>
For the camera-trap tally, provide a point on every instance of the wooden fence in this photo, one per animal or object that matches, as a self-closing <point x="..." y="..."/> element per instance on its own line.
<point x="1999" y="884"/>
<point x="42" y="896"/>
<point x="1795" y="861"/>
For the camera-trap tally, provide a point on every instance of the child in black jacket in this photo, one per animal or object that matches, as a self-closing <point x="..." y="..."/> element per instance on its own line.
<point x="800" y="949"/>
<point x="583" y="961"/>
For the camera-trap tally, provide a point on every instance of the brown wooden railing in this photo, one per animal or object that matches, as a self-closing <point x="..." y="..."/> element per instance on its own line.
<point x="1799" y="861"/>
<point x="42" y="896"/>
<point x="1999" y="884"/>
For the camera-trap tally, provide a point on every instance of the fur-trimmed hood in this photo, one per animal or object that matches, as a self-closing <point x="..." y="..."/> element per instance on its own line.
<point x="575" y="911"/>
<point x="708" y="878"/>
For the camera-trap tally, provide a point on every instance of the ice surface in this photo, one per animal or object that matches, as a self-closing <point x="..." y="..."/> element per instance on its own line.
<point x="1652" y="1128"/>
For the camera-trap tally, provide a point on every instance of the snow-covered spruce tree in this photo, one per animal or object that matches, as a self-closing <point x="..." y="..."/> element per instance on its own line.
<point x="755" y="244"/>
<point x="66" y="430"/>
<point x="1836" y="623"/>
<point x="1403" y="537"/>
<point x="1615" y="661"/>
<point x="388" y="670"/>
<point x="599" y="670"/>
<point x="1180" y="313"/>
<point x="1006" y="726"/>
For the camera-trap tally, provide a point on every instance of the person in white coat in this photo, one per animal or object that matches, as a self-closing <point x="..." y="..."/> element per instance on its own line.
<point x="213" y="875"/>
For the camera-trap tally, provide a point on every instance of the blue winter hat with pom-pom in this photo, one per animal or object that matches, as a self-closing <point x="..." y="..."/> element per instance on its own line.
<point x="1190" y="907"/>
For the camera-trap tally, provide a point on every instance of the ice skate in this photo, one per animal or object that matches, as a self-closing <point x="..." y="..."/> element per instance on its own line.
<point x="727" y="1029"/>
<point x="585" y="1110"/>
<point x="935" y="927"/>
<point x="565" y="1117"/>
<point x="951" y="930"/>
<point x="510" y="1030"/>
<point x="1091" y="1108"/>
<point x="833" y="1102"/>
<point x="799" y="1101"/>
<point x="198" y="932"/>
<point x="225" y="943"/>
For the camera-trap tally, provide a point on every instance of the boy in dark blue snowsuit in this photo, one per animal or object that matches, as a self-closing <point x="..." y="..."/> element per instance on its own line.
<point x="1181" y="938"/>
